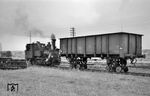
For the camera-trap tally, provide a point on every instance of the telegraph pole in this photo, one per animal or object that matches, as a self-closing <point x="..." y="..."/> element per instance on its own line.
<point x="0" y="47"/>
<point x="30" y="37"/>
<point x="72" y="33"/>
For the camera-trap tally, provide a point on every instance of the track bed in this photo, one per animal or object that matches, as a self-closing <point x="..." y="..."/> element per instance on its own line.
<point x="142" y="68"/>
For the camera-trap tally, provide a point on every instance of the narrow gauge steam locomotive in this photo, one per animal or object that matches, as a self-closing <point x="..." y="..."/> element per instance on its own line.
<point x="116" y="48"/>
<point x="41" y="54"/>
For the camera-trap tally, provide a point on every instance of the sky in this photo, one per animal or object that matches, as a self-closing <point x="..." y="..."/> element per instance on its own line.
<point x="89" y="17"/>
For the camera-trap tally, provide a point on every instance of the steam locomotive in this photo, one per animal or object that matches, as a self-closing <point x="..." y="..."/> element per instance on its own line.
<point x="43" y="54"/>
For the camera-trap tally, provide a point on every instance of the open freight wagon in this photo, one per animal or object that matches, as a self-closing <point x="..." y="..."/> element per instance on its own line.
<point x="115" y="47"/>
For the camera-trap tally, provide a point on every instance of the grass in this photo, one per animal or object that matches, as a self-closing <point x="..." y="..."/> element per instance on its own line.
<point x="43" y="81"/>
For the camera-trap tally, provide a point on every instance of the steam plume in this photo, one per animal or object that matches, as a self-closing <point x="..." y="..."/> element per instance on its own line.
<point x="22" y="22"/>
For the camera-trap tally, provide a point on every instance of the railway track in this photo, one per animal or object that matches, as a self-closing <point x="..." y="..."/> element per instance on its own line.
<point x="9" y="63"/>
<point x="102" y="69"/>
<point x="99" y="68"/>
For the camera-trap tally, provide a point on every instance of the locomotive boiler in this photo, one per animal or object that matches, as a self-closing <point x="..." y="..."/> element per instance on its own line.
<point x="116" y="48"/>
<point x="43" y="54"/>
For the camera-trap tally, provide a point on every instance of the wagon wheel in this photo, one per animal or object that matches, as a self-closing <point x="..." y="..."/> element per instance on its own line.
<point x="78" y="66"/>
<point x="108" y="68"/>
<point x="72" y="64"/>
<point x="118" y="69"/>
<point x="82" y="66"/>
<point x="85" y="63"/>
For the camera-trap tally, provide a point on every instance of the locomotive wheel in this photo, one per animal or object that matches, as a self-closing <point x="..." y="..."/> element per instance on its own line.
<point x="126" y="69"/>
<point x="118" y="69"/>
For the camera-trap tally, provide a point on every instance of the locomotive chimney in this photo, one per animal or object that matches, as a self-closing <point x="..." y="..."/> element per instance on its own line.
<point x="53" y="40"/>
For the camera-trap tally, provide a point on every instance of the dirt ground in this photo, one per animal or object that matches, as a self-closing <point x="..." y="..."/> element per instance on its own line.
<point x="45" y="81"/>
